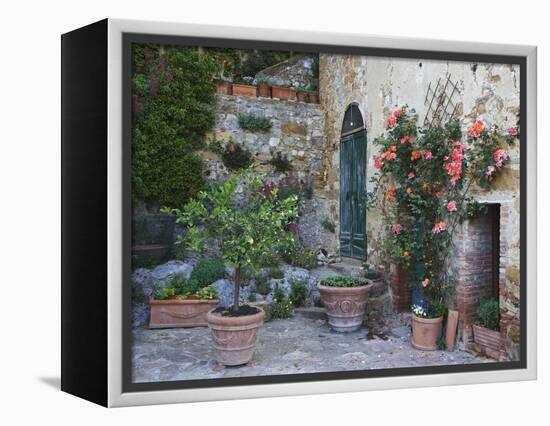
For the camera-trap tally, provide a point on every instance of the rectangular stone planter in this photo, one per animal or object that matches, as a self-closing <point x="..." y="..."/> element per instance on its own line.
<point x="180" y="313"/>
<point x="486" y="338"/>
<point x="244" y="90"/>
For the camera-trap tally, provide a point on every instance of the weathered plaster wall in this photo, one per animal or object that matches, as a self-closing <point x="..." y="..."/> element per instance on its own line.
<point x="378" y="85"/>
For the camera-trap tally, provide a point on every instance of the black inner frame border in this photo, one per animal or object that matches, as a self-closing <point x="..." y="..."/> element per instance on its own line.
<point x="129" y="38"/>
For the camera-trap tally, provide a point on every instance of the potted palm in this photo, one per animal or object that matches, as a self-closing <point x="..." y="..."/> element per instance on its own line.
<point x="345" y="299"/>
<point x="486" y="329"/>
<point x="247" y="222"/>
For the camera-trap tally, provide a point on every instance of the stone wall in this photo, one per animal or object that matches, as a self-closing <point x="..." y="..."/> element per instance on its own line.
<point x="297" y="133"/>
<point x="378" y="85"/>
<point x="297" y="71"/>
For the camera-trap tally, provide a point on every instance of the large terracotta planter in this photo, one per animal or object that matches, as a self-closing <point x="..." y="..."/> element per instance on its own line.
<point x="180" y="313"/>
<point x="224" y="87"/>
<point x="234" y="337"/>
<point x="426" y="332"/>
<point x="244" y="90"/>
<point x="283" y="93"/>
<point x="487" y="338"/>
<point x="345" y="306"/>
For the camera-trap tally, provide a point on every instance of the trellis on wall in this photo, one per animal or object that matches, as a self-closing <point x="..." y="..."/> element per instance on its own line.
<point x="441" y="101"/>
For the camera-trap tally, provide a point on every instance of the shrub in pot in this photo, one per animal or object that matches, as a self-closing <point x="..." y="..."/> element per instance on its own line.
<point x="247" y="223"/>
<point x="487" y="327"/>
<point x="182" y="303"/>
<point x="345" y="299"/>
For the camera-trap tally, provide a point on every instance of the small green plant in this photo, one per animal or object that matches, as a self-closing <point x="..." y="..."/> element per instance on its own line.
<point x="301" y="258"/>
<point x="207" y="293"/>
<point x="328" y="224"/>
<point x="276" y="273"/>
<point x="280" y="163"/>
<point x="297" y="292"/>
<point x="488" y="314"/>
<point x="281" y="306"/>
<point x="208" y="271"/>
<point x="441" y="343"/>
<point x="261" y="81"/>
<point x="372" y="274"/>
<point x="236" y="157"/>
<point x="254" y="123"/>
<point x="343" y="281"/>
<point x="302" y="90"/>
<point x="165" y="293"/>
<point x="262" y="284"/>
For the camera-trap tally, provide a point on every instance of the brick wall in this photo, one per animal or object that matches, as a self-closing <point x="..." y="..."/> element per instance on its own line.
<point x="400" y="289"/>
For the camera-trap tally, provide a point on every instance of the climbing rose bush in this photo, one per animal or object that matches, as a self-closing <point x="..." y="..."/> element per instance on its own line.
<point x="422" y="185"/>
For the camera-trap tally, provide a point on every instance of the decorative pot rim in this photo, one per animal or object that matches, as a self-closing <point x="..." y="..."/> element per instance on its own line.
<point x="347" y="290"/>
<point x="427" y="320"/>
<point x="214" y="318"/>
<point x="153" y="301"/>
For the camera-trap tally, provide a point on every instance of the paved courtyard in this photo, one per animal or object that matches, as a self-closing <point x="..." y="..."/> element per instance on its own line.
<point x="294" y="345"/>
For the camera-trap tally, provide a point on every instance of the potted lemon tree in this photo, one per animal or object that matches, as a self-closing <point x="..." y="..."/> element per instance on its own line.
<point x="248" y="222"/>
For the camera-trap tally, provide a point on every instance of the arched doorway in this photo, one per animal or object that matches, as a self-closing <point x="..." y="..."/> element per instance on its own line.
<point x="353" y="184"/>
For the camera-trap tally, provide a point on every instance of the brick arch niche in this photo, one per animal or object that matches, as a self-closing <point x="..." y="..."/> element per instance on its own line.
<point x="478" y="262"/>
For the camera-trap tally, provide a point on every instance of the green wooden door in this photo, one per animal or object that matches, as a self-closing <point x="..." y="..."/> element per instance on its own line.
<point x="353" y="214"/>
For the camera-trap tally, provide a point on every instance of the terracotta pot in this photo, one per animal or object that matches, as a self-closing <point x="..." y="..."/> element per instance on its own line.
<point x="487" y="338"/>
<point x="264" y="91"/>
<point x="283" y="93"/>
<point x="180" y="313"/>
<point x="313" y="97"/>
<point x="244" y="90"/>
<point x="301" y="96"/>
<point x="234" y="337"/>
<point x="426" y="332"/>
<point x="224" y="87"/>
<point x="345" y="306"/>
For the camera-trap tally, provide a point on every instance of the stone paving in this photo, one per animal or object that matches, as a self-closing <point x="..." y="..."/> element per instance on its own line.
<point x="294" y="345"/>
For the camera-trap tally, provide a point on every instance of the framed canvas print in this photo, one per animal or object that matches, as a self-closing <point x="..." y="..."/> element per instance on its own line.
<point x="251" y="213"/>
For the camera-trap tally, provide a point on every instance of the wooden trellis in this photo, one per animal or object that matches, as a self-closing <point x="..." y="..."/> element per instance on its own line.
<point x="441" y="101"/>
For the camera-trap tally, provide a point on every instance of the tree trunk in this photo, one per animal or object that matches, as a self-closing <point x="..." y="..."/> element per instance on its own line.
<point x="237" y="289"/>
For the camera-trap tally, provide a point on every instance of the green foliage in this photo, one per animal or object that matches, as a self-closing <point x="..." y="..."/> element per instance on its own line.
<point x="328" y="224"/>
<point x="300" y="257"/>
<point x="173" y="98"/>
<point x="165" y="293"/>
<point x="254" y="123"/>
<point x="208" y="271"/>
<point x="246" y="229"/>
<point x="207" y="293"/>
<point x="281" y="306"/>
<point x="372" y="274"/>
<point x="276" y="273"/>
<point x="488" y="314"/>
<point x="280" y="163"/>
<point x="215" y="145"/>
<point x="343" y="281"/>
<point x="180" y="288"/>
<point x="236" y="157"/>
<point x="297" y="292"/>
<point x="441" y="343"/>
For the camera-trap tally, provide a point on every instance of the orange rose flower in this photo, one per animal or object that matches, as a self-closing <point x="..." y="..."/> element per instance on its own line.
<point x="406" y="253"/>
<point x="390" y="194"/>
<point x="409" y="190"/>
<point x="415" y="155"/>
